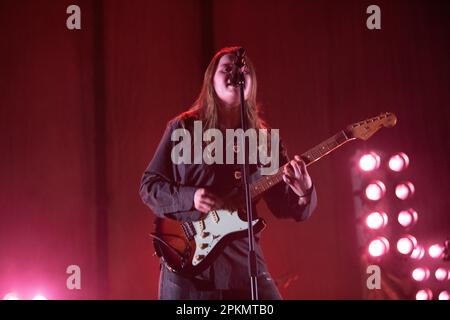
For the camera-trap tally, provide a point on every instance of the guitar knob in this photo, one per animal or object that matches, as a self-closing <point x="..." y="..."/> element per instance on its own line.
<point x="204" y="234"/>
<point x="204" y="246"/>
<point x="199" y="257"/>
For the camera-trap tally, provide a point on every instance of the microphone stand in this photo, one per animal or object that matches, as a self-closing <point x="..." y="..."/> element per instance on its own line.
<point x="253" y="268"/>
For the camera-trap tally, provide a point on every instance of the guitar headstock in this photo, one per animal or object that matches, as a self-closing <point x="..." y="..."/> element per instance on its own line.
<point x="365" y="129"/>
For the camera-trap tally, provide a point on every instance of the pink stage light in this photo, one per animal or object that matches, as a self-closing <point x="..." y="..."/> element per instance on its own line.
<point x="39" y="297"/>
<point x="407" y="218"/>
<point x="404" y="190"/>
<point x="441" y="274"/>
<point x="406" y="244"/>
<point x="11" y="296"/>
<point x="398" y="162"/>
<point x="444" y="295"/>
<point x="421" y="274"/>
<point x="436" y="251"/>
<point x="378" y="247"/>
<point x="375" y="190"/>
<point x="418" y="252"/>
<point x="369" y="162"/>
<point x="425" y="294"/>
<point x="376" y="220"/>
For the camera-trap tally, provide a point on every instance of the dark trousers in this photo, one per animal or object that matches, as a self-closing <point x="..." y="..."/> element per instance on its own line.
<point x="176" y="287"/>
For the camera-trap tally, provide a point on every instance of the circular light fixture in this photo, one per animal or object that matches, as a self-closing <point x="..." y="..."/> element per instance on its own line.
<point x="421" y="274"/>
<point x="369" y="162"/>
<point x="407" y="218"/>
<point x="441" y="274"/>
<point x="376" y="220"/>
<point x="398" y="162"/>
<point x="406" y="244"/>
<point x="424" y="294"/>
<point x="444" y="295"/>
<point x="11" y="296"/>
<point x="378" y="247"/>
<point x="375" y="190"/>
<point x="436" y="251"/>
<point x="418" y="252"/>
<point x="404" y="190"/>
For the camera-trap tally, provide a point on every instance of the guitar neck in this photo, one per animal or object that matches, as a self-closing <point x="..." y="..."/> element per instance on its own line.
<point x="264" y="183"/>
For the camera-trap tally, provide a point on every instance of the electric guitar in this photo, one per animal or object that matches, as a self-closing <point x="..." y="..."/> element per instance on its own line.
<point x="190" y="247"/>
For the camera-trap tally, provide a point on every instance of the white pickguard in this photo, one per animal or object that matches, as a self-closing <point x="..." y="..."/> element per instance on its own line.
<point x="216" y="225"/>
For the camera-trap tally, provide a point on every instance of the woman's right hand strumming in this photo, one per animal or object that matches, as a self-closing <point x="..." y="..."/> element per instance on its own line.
<point x="205" y="201"/>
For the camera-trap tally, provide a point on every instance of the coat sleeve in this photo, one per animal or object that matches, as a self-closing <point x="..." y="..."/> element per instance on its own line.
<point x="283" y="202"/>
<point x="159" y="188"/>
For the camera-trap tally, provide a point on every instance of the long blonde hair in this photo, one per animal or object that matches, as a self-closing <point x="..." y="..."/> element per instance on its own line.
<point x="207" y="103"/>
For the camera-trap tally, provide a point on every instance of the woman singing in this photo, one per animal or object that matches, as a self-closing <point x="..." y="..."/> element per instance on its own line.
<point x="187" y="191"/>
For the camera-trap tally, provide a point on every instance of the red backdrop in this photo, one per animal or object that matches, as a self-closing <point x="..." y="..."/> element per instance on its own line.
<point x="81" y="113"/>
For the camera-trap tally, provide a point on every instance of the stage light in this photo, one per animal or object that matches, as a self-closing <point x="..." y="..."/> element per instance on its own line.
<point x="436" y="251"/>
<point x="404" y="190"/>
<point x="369" y="162"/>
<point x="376" y="220"/>
<point x="39" y="297"/>
<point x="425" y="294"/>
<point x="441" y="274"/>
<point x="407" y="218"/>
<point x="11" y="296"/>
<point x="418" y="252"/>
<point x="398" y="162"/>
<point x="444" y="295"/>
<point x="378" y="247"/>
<point x="375" y="190"/>
<point x="406" y="244"/>
<point x="421" y="274"/>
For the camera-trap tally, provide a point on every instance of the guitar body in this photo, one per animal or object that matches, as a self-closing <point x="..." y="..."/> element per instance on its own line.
<point x="190" y="247"/>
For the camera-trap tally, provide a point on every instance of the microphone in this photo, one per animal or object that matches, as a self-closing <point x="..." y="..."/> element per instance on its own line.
<point x="240" y="60"/>
<point x="237" y="77"/>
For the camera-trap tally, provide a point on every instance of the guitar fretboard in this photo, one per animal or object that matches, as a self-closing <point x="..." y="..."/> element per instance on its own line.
<point x="312" y="155"/>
